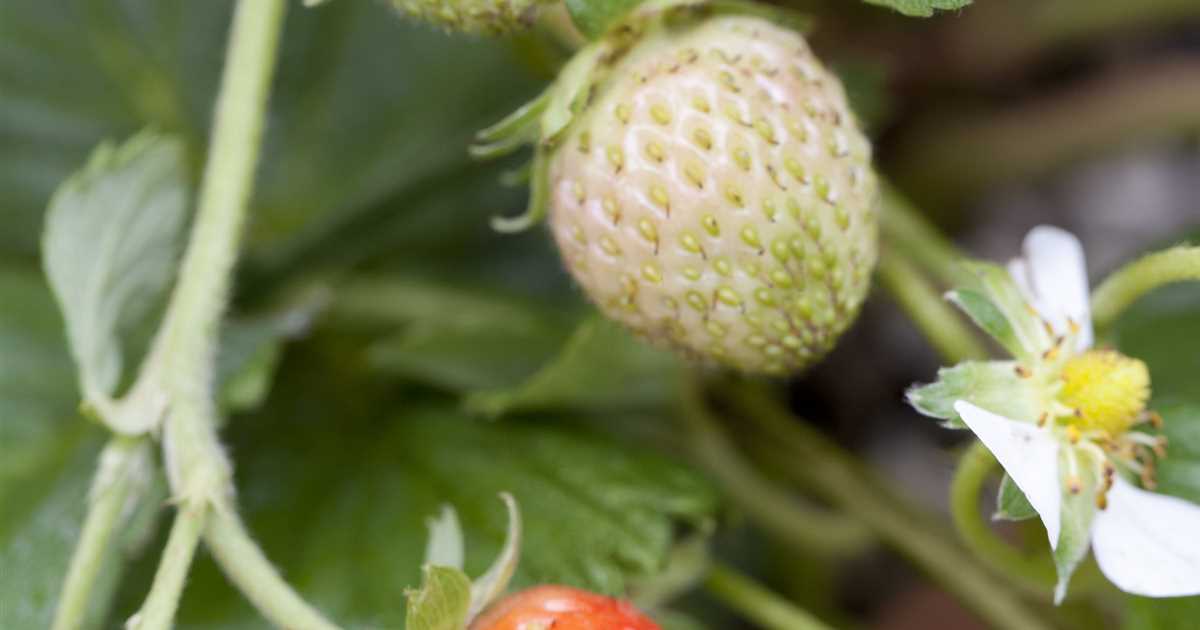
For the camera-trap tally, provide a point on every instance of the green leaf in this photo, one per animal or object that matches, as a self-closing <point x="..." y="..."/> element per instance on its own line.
<point x="1011" y="503"/>
<point x="458" y="337"/>
<point x="991" y="385"/>
<point x="441" y="603"/>
<point x="48" y="460"/>
<point x="338" y="490"/>
<point x="920" y="8"/>
<point x="602" y="366"/>
<point x="112" y="238"/>
<point x="593" y="17"/>
<point x="1176" y="613"/>
<point x="1164" y="331"/>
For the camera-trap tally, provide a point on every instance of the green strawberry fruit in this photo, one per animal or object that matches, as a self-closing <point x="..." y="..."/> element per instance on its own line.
<point x="715" y="195"/>
<point x="492" y="17"/>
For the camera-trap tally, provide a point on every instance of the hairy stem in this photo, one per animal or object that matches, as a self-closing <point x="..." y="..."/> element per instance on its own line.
<point x="973" y="469"/>
<point x="760" y="605"/>
<point x="781" y="514"/>
<point x="813" y="460"/>
<point x="122" y="463"/>
<point x="158" y="611"/>
<point x="1138" y="278"/>
<point x="249" y="569"/>
<point x="199" y="472"/>
<point x="933" y="316"/>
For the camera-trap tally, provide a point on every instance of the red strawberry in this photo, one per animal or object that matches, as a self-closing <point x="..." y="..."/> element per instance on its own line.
<point x="562" y="608"/>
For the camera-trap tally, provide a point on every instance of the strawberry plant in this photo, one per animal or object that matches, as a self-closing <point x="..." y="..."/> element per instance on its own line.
<point x="599" y="314"/>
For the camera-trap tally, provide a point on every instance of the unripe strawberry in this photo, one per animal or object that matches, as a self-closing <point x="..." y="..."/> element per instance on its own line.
<point x="492" y="17"/>
<point x="562" y="608"/>
<point x="717" y="197"/>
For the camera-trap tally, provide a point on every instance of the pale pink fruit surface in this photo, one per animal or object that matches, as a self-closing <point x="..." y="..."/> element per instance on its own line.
<point x="717" y="197"/>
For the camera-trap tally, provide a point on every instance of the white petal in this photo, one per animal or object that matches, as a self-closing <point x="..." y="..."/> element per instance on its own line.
<point x="1147" y="543"/>
<point x="1057" y="272"/>
<point x="1030" y="456"/>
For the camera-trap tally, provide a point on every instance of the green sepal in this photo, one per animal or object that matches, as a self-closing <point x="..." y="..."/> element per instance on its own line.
<point x="1011" y="503"/>
<point x="994" y="282"/>
<point x="442" y="601"/>
<point x="988" y="317"/>
<point x="1078" y="511"/>
<point x="990" y="385"/>
<point x="513" y="132"/>
<point x="539" y="198"/>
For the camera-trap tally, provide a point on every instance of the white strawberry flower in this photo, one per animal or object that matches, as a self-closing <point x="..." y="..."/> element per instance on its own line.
<point x="1066" y="420"/>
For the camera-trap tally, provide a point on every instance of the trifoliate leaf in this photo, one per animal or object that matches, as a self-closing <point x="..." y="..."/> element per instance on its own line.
<point x="113" y="233"/>
<point x="991" y="385"/>
<point x="1011" y="503"/>
<point x="920" y="8"/>
<point x="601" y="366"/>
<point x="441" y="603"/>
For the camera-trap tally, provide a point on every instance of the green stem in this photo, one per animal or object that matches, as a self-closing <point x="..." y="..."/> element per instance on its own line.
<point x="248" y="567"/>
<point x="760" y="605"/>
<point x="158" y="611"/>
<point x="907" y="230"/>
<point x="773" y="509"/>
<point x="199" y="472"/>
<point x="944" y="328"/>
<point x="974" y="467"/>
<point x="814" y="461"/>
<point x="1136" y="279"/>
<point x="122" y="463"/>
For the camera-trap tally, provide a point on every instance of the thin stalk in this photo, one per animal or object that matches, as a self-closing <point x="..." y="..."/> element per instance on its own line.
<point x="908" y="231"/>
<point x="158" y="611"/>
<point x="758" y="604"/>
<point x="1138" y="278"/>
<point x="122" y="462"/>
<point x="775" y="510"/>
<point x="942" y="326"/>
<point x="199" y="472"/>
<point x="974" y="467"/>
<point x="814" y="461"/>
<point x="249" y="569"/>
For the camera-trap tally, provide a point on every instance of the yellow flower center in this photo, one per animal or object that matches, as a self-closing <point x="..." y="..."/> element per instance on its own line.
<point x="1107" y="389"/>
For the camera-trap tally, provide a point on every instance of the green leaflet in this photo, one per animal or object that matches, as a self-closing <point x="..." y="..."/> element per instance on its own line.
<point x="112" y="239"/>
<point x="991" y="385"/>
<point x="920" y="8"/>
<point x="601" y="366"/>
<point x="441" y="603"/>
<point x="1011" y="504"/>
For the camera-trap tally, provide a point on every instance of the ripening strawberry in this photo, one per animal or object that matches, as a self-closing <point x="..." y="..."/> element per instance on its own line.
<point x="716" y="196"/>
<point x="492" y="17"/>
<point x="562" y="608"/>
